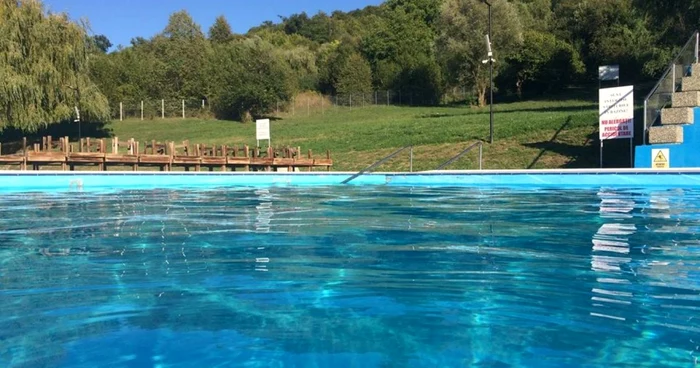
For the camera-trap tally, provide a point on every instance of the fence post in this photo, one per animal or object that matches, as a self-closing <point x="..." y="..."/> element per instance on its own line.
<point x="141" y="110"/>
<point x="202" y="103"/>
<point x="121" y="111"/>
<point x="183" y="109"/>
<point x="162" y="109"/>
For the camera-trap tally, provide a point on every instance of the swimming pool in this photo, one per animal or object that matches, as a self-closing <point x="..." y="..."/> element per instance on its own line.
<point x="264" y="274"/>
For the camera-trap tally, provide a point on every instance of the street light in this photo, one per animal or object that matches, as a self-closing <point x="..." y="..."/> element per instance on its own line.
<point x="490" y="60"/>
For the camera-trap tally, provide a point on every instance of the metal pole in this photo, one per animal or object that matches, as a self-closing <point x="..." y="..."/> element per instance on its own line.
<point x="411" y="153"/>
<point x="673" y="75"/>
<point x="697" y="46"/>
<point x="491" y="77"/>
<point x="644" y="132"/>
<point x="481" y="155"/>
<point x="601" y="153"/>
<point x="631" y="153"/>
<point x="162" y="109"/>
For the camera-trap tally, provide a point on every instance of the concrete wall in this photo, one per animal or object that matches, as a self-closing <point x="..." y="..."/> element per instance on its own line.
<point x="683" y="155"/>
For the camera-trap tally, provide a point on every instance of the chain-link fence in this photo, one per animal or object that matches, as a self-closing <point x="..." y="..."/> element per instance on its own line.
<point x="306" y="103"/>
<point x="160" y="109"/>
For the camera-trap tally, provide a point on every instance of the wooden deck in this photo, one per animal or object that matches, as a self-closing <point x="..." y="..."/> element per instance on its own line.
<point x="166" y="156"/>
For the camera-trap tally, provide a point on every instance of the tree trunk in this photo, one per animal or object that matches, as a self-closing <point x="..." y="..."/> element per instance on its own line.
<point x="246" y="117"/>
<point x="482" y="96"/>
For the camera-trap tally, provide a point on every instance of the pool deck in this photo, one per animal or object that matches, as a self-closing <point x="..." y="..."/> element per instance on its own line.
<point x="17" y="181"/>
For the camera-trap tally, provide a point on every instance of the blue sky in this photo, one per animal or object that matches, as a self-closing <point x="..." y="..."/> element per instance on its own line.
<point x="121" y="20"/>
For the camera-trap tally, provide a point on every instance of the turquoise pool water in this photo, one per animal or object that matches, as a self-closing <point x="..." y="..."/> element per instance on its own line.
<point x="361" y="276"/>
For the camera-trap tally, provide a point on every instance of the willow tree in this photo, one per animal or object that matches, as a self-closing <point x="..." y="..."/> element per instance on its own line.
<point x="44" y="68"/>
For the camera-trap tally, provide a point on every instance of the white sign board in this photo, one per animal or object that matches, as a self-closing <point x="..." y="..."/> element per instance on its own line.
<point x="616" y="113"/>
<point x="609" y="72"/>
<point x="660" y="158"/>
<point x="262" y="130"/>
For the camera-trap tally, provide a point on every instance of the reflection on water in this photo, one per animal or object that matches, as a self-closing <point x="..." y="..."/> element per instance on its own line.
<point x="350" y="277"/>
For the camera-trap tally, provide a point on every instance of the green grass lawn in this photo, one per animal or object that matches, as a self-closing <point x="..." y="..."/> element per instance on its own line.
<point x="541" y="134"/>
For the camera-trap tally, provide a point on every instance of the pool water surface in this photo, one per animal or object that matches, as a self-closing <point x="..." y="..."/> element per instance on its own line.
<point x="365" y="276"/>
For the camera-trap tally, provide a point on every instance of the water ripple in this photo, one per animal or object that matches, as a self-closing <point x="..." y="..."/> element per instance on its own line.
<point x="351" y="277"/>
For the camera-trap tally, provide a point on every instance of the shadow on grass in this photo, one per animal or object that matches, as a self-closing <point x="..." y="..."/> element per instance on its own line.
<point x="616" y="152"/>
<point x="546" y="146"/>
<point x="12" y="138"/>
<point x="486" y="111"/>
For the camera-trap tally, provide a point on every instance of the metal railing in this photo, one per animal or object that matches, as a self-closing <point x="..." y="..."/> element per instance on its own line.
<point x="383" y="160"/>
<point x="661" y="95"/>
<point x="480" y="144"/>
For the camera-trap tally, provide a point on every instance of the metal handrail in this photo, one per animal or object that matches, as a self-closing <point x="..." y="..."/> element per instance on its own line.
<point x="671" y="69"/>
<point x="464" y="152"/>
<point x="383" y="160"/>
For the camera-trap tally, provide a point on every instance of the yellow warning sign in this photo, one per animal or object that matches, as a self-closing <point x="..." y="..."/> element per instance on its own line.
<point x="660" y="158"/>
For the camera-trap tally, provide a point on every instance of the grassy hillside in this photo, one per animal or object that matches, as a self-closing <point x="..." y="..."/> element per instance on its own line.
<point x="543" y="134"/>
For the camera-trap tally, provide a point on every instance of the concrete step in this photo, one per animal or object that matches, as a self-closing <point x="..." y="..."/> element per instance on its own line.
<point x="676" y="115"/>
<point x="691" y="83"/>
<point x="686" y="99"/>
<point x="695" y="69"/>
<point x="666" y="134"/>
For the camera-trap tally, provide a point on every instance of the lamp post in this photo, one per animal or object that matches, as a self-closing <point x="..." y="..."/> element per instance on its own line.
<point x="490" y="60"/>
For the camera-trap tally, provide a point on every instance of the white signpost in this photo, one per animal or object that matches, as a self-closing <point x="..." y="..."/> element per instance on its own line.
<point x="262" y="131"/>
<point x="616" y="116"/>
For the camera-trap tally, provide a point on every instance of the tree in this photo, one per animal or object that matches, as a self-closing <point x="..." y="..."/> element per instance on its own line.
<point x="428" y="11"/>
<point x="401" y="50"/>
<point x="535" y="15"/>
<point x="250" y="78"/>
<point x="102" y="43"/>
<point x="610" y="31"/>
<point x="182" y="26"/>
<point x="463" y="26"/>
<point x="544" y="64"/>
<point x="220" y="31"/>
<point x="673" y="21"/>
<point x="354" y="76"/>
<point x="44" y="62"/>
<point x="184" y="51"/>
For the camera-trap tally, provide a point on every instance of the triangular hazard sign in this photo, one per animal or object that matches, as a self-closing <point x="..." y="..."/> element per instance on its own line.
<point x="660" y="158"/>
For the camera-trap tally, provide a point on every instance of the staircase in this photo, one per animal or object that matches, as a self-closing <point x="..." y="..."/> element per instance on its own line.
<point x="671" y="110"/>
<point x="680" y="113"/>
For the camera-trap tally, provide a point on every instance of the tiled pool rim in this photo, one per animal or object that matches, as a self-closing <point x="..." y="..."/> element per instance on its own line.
<point x="18" y="181"/>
